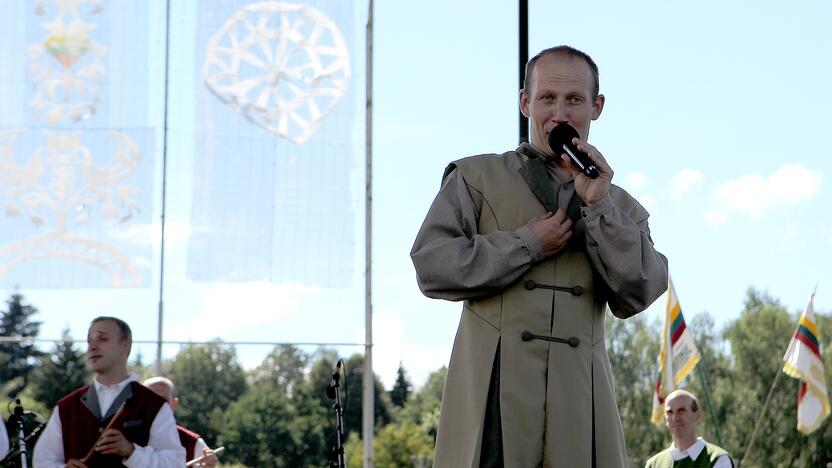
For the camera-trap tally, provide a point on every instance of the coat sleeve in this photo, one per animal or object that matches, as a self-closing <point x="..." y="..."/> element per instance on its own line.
<point x="49" y="449"/>
<point x="454" y="261"/>
<point x="621" y="250"/>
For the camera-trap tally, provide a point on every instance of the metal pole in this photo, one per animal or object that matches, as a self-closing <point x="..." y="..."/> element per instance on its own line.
<point x="164" y="193"/>
<point x="759" y="419"/>
<point x="369" y="381"/>
<point x="523" y="57"/>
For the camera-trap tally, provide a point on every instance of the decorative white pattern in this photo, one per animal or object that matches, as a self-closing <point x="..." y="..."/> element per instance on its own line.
<point x="57" y="190"/>
<point x="67" y="66"/>
<point x="283" y="66"/>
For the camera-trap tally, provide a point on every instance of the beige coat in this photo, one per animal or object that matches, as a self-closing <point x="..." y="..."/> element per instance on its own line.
<point x="549" y="392"/>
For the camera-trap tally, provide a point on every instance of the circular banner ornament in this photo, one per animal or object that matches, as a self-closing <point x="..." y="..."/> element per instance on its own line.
<point x="283" y="66"/>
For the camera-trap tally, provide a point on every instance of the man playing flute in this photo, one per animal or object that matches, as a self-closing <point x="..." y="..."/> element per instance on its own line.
<point x="115" y="421"/>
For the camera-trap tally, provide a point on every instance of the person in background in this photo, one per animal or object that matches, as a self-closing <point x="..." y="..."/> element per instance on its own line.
<point x="114" y="421"/>
<point x="193" y="443"/>
<point x="682" y="414"/>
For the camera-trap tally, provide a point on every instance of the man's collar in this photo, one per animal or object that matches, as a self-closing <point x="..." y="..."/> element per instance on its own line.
<point x="119" y="386"/>
<point x="550" y="162"/>
<point x="529" y="150"/>
<point x="693" y="451"/>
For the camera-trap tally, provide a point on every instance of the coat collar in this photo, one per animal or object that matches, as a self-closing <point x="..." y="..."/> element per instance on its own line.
<point x="90" y="400"/>
<point x="537" y="177"/>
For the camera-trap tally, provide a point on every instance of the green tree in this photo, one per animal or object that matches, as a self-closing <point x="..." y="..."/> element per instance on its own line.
<point x="354" y="451"/>
<point x="20" y="358"/>
<point x="396" y="445"/>
<point x="401" y="389"/>
<point x="353" y="410"/>
<point x="633" y="347"/>
<point x="352" y="384"/>
<point x="208" y="379"/>
<point x="712" y="370"/>
<point x="138" y="367"/>
<point x="758" y="340"/>
<point x="422" y="408"/>
<point x="60" y="373"/>
<point x="285" y="367"/>
<point x="265" y="428"/>
<point x="312" y="423"/>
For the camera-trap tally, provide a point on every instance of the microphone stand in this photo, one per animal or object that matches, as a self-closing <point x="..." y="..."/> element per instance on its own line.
<point x="334" y="392"/>
<point x="21" y="434"/>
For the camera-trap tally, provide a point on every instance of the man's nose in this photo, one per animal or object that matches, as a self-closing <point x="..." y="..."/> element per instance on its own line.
<point x="559" y="113"/>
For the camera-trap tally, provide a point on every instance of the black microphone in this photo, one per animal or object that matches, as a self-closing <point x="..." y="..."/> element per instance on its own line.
<point x="560" y="140"/>
<point x="333" y="384"/>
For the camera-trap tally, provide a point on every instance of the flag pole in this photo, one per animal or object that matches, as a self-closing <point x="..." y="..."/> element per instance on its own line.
<point x="759" y="419"/>
<point x="368" y="429"/>
<point x="707" y="394"/>
<point x="161" y="306"/>
<point x="765" y="406"/>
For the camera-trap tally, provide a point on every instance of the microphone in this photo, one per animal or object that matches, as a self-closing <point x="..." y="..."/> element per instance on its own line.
<point x="333" y="384"/>
<point x="560" y="140"/>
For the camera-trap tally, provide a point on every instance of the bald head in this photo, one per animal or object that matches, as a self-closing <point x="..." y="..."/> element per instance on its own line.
<point x="163" y="387"/>
<point x="688" y="399"/>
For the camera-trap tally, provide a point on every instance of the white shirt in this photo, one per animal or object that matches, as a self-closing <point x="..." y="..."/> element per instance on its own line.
<point x="724" y="461"/>
<point x="4" y="440"/>
<point x="163" y="447"/>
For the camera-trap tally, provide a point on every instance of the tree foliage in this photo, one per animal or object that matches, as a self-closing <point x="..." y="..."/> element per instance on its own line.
<point x="278" y="414"/>
<point x="402" y="388"/>
<point x="19" y="359"/>
<point x="60" y="373"/>
<point x="633" y="346"/>
<point x="266" y="427"/>
<point x="208" y="380"/>
<point x="739" y="365"/>
<point x="396" y="445"/>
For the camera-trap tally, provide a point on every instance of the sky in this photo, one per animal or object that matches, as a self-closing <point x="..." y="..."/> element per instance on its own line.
<point x="715" y="119"/>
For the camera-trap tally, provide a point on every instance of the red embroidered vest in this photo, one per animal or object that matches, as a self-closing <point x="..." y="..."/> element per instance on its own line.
<point x="188" y="440"/>
<point x="81" y="423"/>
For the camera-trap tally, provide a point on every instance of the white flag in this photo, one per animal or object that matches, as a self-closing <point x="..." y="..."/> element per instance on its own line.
<point x="803" y="361"/>
<point x="677" y="356"/>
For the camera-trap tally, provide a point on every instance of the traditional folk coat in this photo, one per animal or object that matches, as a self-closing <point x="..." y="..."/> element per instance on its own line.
<point x="557" y="402"/>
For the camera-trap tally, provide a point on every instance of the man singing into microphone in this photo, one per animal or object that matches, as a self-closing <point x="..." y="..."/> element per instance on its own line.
<point x="115" y="421"/>
<point x="537" y="250"/>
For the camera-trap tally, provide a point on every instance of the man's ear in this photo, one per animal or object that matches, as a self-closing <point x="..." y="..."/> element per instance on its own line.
<point x="524" y="103"/>
<point x="598" y="106"/>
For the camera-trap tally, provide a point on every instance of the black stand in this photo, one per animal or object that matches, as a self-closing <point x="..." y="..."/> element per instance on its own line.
<point x="334" y="392"/>
<point x="21" y="433"/>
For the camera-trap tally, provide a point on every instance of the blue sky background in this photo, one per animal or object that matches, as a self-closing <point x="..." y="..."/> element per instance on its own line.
<point x="716" y="119"/>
